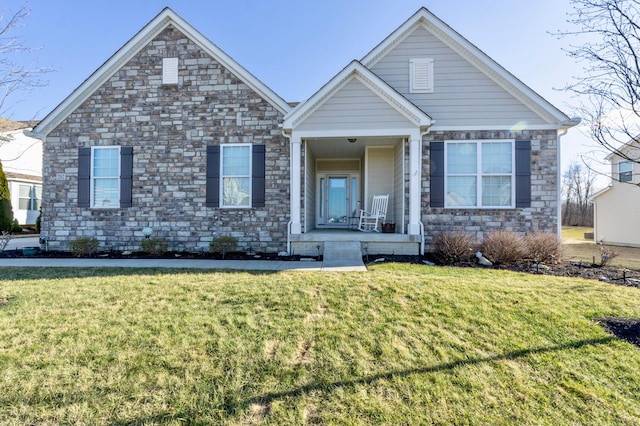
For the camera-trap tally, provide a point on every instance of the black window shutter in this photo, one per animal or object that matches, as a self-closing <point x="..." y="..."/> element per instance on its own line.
<point x="523" y="174"/>
<point x="213" y="176"/>
<point x="436" y="155"/>
<point x="258" y="175"/>
<point x="126" y="175"/>
<point x="84" y="177"/>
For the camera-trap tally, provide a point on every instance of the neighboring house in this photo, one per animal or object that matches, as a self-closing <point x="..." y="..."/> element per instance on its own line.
<point x="615" y="212"/>
<point x="173" y="134"/>
<point x="21" y="157"/>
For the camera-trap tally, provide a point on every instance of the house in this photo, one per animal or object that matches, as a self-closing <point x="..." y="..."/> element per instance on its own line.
<point x="615" y="209"/>
<point x="171" y="133"/>
<point x="21" y="158"/>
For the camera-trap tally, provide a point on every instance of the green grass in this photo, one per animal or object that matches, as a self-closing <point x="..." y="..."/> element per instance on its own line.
<point x="400" y="344"/>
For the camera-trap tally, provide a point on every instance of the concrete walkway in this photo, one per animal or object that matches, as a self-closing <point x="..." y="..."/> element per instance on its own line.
<point x="247" y="265"/>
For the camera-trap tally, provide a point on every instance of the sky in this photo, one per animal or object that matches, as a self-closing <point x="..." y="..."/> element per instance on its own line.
<point x="296" y="46"/>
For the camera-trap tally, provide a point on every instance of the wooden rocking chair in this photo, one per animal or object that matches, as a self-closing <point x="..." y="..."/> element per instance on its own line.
<point x="372" y="220"/>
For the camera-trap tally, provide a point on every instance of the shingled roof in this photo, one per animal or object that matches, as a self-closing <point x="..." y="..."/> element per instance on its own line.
<point x="8" y="125"/>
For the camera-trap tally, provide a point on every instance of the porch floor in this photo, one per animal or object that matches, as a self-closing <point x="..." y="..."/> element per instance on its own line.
<point x="312" y="242"/>
<point x="347" y="235"/>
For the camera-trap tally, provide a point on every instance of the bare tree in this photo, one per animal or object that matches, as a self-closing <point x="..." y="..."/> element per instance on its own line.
<point x="577" y="188"/>
<point x="609" y="49"/>
<point x="14" y="74"/>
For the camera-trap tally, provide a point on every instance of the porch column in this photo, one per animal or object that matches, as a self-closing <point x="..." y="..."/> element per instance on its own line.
<point x="415" y="180"/>
<point x="296" y="146"/>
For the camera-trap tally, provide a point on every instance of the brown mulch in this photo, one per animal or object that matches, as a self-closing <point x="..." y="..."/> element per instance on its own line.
<point x="623" y="328"/>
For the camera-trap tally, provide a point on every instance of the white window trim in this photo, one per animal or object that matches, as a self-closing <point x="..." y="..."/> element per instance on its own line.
<point x="479" y="174"/>
<point x="30" y="197"/>
<point x="626" y="171"/>
<point x="222" y="175"/>
<point x="419" y="64"/>
<point x="93" y="178"/>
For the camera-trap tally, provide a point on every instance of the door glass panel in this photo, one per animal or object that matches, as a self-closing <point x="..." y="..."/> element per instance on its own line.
<point x="321" y="213"/>
<point x="337" y="203"/>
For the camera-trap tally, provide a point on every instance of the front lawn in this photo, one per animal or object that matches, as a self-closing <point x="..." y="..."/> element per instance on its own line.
<point x="400" y="344"/>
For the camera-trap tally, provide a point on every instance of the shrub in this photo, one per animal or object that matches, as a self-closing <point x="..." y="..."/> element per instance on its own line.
<point x="542" y="247"/>
<point x="454" y="247"/>
<point x="84" y="246"/>
<point x="6" y="211"/>
<point x="607" y="254"/>
<point x="223" y="245"/>
<point x="39" y="221"/>
<point x="503" y="247"/>
<point x="154" y="246"/>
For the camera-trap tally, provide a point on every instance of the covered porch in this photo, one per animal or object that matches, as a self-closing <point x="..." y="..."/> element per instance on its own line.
<point x="355" y="138"/>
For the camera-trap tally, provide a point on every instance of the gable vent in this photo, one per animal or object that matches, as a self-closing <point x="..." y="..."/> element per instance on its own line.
<point x="170" y="71"/>
<point x="421" y="75"/>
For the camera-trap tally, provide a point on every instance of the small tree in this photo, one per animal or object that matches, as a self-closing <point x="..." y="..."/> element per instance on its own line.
<point x="15" y="76"/>
<point x="577" y="188"/>
<point x="6" y="211"/>
<point x="223" y="245"/>
<point x="607" y="44"/>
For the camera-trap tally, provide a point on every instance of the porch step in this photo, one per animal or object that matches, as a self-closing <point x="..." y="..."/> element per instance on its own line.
<point x="342" y="251"/>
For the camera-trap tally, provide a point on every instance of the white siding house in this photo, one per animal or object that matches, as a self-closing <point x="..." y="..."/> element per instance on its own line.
<point x="21" y="157"/>
<point x="616" y="206"/>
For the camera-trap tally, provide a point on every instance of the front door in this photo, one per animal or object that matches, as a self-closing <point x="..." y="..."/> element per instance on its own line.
<point x="337" y="201"/>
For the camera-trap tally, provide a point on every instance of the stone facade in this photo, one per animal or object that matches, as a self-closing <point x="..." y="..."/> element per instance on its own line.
<point x="169" y="128"/>
<point x="542" y="216"/>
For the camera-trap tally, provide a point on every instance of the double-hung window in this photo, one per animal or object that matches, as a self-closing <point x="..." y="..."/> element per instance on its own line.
<point x="480" y="174"/>
<point x="29" y="197"/>
<point x="625" y="171"/>
<point x="105" y="177"/>
<point x="235" y="175"/>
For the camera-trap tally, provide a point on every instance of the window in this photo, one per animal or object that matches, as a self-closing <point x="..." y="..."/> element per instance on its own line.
<point x="37" y="199"/>
<point x="170" y="71"/>
<point x="421" y="75"/>
<point x="29" y="197"/>
<point x="236" y="175"/>
<point x="105" y="177"/>
<point x="625" y="171"/>
<point x="24" y="197"/>
<point x="480" y="174"/>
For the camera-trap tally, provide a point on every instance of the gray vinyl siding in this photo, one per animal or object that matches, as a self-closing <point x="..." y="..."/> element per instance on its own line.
<point x="462" y="95"/>
<point x="352" y="107"/>
<point x="380" y="176"/>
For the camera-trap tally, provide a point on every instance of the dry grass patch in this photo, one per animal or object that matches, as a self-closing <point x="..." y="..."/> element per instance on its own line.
<point x="575" y="248"/>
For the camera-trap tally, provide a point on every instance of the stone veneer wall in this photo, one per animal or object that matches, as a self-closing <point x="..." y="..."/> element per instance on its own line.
<point x="542" y="216"/>
<point x="169" y="128"/>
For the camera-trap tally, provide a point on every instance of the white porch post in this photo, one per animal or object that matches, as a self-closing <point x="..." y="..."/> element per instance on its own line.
<point x="415" y="183"/>
<point x="296" y="146"/>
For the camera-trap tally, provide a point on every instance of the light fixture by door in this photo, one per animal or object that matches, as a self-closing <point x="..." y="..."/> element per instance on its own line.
<point x="352" y="140"/>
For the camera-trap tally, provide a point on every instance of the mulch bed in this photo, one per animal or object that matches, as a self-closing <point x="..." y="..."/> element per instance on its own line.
<point x="623" y="328"/>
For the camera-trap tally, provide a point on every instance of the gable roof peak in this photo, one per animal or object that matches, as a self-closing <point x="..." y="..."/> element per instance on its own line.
<point x="154" y="27"/>
<point x="485" y="64"/>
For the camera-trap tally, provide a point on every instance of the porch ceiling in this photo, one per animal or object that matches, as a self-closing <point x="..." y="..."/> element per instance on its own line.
<point x="340" y="147"/>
